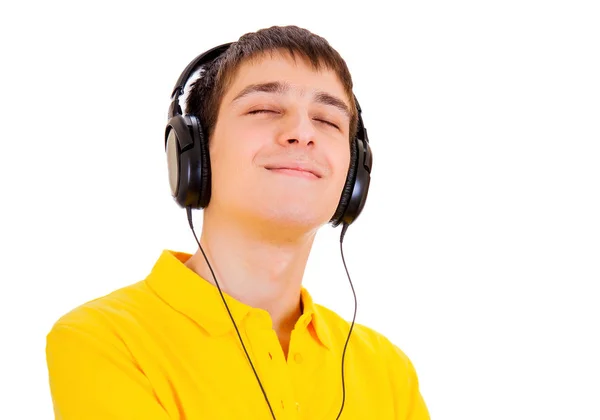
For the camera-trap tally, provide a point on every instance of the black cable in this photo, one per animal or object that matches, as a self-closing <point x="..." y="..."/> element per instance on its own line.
<point x="189" y="215"/>
<point x="344" y="228"/>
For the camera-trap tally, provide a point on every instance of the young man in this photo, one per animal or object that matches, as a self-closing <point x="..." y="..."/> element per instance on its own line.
<point x="278" y="111"/>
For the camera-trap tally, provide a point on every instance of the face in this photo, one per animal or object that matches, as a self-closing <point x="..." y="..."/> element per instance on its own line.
<point x="280" y="149"/>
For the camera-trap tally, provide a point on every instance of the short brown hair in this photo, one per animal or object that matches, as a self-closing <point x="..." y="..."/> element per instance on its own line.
<point x="206" y="93"/>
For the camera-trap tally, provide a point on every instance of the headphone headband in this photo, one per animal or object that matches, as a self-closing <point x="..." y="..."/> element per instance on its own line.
<point x="203" y="58"/>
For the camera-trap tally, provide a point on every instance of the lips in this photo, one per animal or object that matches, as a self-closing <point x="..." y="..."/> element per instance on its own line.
<point x="299" y="167"/>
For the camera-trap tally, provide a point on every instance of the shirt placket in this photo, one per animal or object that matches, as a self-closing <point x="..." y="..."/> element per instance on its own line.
<point x="273" y="371"/>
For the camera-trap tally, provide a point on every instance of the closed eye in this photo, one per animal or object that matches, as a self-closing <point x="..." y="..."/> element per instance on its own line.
<point x="260" y="111"/>
<point x="327" y="122"/>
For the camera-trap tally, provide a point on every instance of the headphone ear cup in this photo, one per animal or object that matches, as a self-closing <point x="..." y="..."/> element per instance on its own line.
<point x="188" y="162"/>
<point x="354" y="195"/>
<point x="348" y="187"/>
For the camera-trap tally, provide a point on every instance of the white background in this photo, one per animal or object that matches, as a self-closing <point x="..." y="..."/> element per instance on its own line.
<point x="478" y="251"/>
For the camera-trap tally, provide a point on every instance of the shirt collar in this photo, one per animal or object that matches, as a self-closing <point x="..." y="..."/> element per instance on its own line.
<point x="312" y="315"/>
<point x="188" y="293"/>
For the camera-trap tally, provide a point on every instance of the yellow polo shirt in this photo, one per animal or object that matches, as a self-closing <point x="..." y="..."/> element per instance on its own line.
<point x="165" y="348"/>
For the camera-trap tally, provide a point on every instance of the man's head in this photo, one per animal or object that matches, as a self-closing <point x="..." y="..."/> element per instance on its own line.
<point x="277" y="98"/>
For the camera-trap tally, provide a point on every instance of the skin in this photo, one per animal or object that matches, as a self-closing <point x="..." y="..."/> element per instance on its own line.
<point x="261" y="223"/>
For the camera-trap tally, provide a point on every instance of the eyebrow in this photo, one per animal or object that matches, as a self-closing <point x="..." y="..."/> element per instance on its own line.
<point x="280" y="88"/>
<point x="327" y="99"/>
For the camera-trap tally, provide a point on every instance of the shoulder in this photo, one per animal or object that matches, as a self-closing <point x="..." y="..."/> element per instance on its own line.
<point x="106" y="314"/>
<point x="372" y="350"/>
<point x="367" y="339"/>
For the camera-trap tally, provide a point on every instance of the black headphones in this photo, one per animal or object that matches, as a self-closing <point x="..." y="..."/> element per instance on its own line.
<point x="189" y="163"/>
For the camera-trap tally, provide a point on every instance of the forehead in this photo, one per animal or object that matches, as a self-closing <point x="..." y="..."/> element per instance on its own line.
<point x="281" y="66"/>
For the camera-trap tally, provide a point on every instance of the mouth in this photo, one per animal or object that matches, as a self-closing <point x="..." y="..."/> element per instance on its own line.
<point x="296" y="172"/>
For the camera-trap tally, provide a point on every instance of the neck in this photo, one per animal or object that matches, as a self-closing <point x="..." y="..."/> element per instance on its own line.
<point x="261" y="267"/>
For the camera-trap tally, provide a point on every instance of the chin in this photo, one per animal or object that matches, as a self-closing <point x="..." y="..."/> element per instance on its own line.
<point x="297" y="218"/>
<point x="306" y="211"/>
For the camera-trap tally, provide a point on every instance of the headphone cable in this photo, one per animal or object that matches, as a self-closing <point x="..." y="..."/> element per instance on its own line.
<point x="344" y="228"/>
<point x="189" y="216"/>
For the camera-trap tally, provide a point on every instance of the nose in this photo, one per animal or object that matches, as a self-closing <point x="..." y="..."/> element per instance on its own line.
<point x="297" y="129"/>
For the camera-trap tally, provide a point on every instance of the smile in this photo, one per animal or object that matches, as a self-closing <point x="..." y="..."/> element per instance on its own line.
<point x="294" y="172"/>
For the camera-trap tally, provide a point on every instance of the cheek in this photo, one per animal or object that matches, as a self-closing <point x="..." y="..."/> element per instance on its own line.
<point x="232" y="153"/>
<point x="342" y="164"/>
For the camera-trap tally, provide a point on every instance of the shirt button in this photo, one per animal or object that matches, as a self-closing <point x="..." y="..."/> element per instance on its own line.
<point x="298" y="358"/>
<point x="297" y="406"/>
